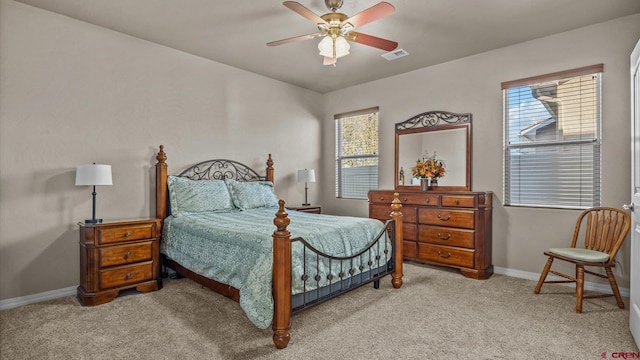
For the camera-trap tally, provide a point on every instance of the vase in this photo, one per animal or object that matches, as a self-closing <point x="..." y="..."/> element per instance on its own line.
<point x="434" y="183"/>
<point x="424" y="184"/>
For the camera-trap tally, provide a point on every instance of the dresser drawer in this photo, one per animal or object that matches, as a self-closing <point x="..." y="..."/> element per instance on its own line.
<point x="409" y="231"/>
<point x="381" y="197"/>
<point x="458" y="201"/>
<point x="123" y="275"/>
<point x="125" y="254"/>
<point x="450" y="218"/>
<point x="446" y="236"/>
<point x="446" y="255"/>
<point x="409" y="250"/>
<point x="425" y="199"/>
<point x="383" y="212"/>
<point x="116" y="234"/>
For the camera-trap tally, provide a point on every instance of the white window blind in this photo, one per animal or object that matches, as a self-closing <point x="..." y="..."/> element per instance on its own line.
<point x="356" y="153"/>
<point x="552" y="139"/>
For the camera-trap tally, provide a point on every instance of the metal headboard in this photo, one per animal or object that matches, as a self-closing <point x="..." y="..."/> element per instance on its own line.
<point x="220" y="169"/>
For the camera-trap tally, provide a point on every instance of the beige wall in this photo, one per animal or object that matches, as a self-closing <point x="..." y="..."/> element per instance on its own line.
<point x="73" y="93"/>
<point x="472" y="85"/>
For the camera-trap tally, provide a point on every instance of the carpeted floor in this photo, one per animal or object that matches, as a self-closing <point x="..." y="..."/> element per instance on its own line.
<point x="438" y="314"/>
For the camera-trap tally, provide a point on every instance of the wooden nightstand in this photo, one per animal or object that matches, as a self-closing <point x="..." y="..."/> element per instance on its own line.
<point x="116" y="256"/>
<point x="313" y="209"/>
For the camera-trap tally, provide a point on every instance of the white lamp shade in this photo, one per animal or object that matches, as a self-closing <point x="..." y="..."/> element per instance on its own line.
<point x="306" y="175"/>
<point x="93" y="174"/>
<point x="342" y="47"/>
<point x="326" y="47"/>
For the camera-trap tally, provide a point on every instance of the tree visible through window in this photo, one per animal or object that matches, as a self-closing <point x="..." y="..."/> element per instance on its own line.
<point x="552" y="139"/>
<point x="356" y="153"/>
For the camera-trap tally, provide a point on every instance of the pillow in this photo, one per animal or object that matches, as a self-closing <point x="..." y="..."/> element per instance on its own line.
<point x="197" y="196"/>
<point x="252" y="194"/>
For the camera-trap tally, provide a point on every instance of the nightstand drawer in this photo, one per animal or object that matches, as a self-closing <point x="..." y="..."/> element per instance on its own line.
<point x="123" y="275"/>
<point x="116" y="234"/>
<point x="125" y="254"/>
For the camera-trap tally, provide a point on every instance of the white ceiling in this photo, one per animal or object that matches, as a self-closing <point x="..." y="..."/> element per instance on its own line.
<point x="235" y="32"/>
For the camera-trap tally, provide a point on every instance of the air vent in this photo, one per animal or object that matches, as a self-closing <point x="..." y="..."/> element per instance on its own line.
<point x="395" y="54"/>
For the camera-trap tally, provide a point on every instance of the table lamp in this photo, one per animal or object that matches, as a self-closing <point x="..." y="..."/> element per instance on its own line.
<point x="306" y="176"/>
<point x="93" y="174"/>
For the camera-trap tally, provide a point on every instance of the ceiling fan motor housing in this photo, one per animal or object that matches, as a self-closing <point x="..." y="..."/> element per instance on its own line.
<point x="333" y="5"/>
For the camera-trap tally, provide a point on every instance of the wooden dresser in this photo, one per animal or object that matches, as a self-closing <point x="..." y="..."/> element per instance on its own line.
<point x="116" y="256"/>
<point x="449" y="228"/>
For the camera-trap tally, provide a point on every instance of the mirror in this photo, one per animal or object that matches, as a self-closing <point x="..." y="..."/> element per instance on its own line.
<point x="445" y="134"/>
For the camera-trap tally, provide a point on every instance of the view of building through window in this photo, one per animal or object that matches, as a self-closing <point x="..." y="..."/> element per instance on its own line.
<point x="552" y="142"/>
<point x="356" y="153"/>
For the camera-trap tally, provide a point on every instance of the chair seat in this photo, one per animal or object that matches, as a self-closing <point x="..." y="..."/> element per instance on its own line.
<point x="581" y="254"/>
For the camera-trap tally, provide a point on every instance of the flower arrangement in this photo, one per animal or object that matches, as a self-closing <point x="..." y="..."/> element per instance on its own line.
<point x="429" y="167"/>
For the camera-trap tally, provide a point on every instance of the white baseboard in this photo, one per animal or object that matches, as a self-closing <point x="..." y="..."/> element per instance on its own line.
<point x="69" y="291"/>
<point x="34" y="298"/>
<point x="588" y="285"/>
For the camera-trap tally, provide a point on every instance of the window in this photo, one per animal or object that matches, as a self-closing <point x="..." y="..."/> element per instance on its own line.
<point x="552" y="139"/>
<point x="356" y="153"/>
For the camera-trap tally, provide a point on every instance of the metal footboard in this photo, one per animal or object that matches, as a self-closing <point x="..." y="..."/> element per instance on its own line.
<point x="343" y="273"/>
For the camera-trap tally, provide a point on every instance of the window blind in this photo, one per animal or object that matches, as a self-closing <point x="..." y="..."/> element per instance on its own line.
<point x="552" y="139"/>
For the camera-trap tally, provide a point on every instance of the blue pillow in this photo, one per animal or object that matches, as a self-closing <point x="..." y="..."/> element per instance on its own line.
<point x="252" y="194"/>
<point x="197" y="196"/>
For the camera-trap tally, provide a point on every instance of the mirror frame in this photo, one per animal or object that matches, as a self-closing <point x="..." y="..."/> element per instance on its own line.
<point x="428" y="122"/>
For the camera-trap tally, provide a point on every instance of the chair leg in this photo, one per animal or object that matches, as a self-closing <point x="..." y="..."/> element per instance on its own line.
<point x="579" y="287"/>
<point x="543" y="275"/>
<point x="614" y="287"/>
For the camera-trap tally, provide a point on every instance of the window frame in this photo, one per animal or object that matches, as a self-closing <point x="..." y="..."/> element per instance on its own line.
<point x="339" y="191"/>
<point x="595" y="141"/>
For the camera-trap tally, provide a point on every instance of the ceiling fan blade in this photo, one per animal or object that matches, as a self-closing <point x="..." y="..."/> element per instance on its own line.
<point x="329" y="61"/>
<point x="373" y="13"/>
<point x="306" y="13"/>
<point x="374" y="41"/>
<point x="295" y="38"/>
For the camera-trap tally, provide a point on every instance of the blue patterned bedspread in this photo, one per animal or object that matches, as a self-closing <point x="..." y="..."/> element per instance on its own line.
<point x="236" y="248"/>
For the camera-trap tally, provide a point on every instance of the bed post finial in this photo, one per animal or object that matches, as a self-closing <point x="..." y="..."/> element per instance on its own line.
<point x="161" y="157"/>
<point x="396" y="216"/>
<point x="270" y="176"/>
<point x="281" y="278"/>
<point x="161" y="184"/>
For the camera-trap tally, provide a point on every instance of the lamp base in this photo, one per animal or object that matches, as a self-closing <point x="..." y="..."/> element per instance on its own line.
<point x="306" y="204"/>
<point x="93" y="221"/>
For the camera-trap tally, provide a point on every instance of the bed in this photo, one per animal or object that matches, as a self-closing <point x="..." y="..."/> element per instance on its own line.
<point x="218" y="220"/>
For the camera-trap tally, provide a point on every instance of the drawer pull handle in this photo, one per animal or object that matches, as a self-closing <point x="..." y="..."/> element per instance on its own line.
<point x="128" y="276"/>
<point x="381" y="198"/>
<point x="441" y="237"/>
<point x="457" y="202"/>
<point x="443" y="256"/>
<point x="444" y="219"/>
<point x="404" y="199"/>
<point x="127" y="234"/>
<point x="127" y="254"/>
<point x="427" y="200"/>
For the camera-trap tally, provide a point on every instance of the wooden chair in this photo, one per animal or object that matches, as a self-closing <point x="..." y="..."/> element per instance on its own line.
<point x="604" y="231"/>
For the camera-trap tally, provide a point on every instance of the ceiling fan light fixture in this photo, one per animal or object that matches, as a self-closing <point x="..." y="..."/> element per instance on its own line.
<point x="334" y="48"/>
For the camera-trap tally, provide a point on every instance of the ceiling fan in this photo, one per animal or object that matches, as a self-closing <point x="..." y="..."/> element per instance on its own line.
<point x="336" y="29"/>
